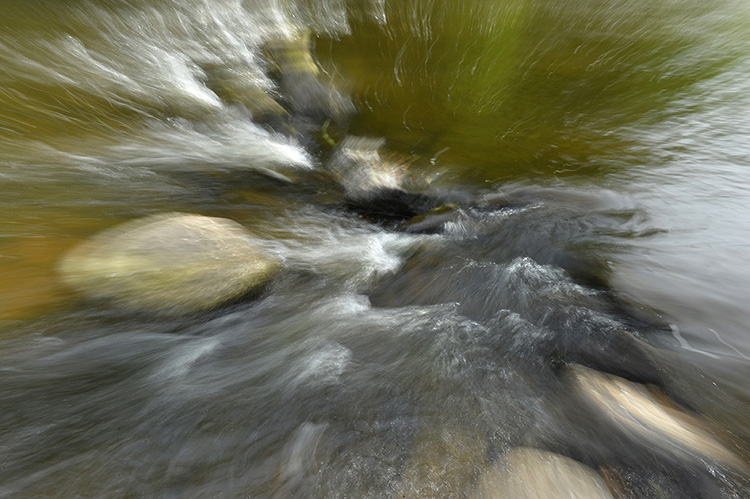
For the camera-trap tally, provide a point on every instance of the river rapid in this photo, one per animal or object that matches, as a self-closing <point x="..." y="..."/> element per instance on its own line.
<point x="588" y="171"/>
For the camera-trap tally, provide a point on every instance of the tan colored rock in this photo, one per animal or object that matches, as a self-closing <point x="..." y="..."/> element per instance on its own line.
<point x="170" y="263"/>
<point x="524" y="473"/>
<point x="632" y="408"/>
<point x="365" y="171"/>
<point x="357" y="165"/>
<point x="293" y="55"/>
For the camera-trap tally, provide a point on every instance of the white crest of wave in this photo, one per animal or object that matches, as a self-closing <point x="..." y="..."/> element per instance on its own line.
<point x="232" y="144"/>
<point x="183" y="357"/>
<point x="353" y="254"/>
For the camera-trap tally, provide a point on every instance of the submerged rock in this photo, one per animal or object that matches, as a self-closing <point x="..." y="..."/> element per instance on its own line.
<point x="301" y="84"/>
<point x="432" y="222"/>
<point x="356" y="165"/>
<point x="235" y="86"/>
<point x="170" y="263"/>
<point x="442" y="463"/>
<point x="635" y="411"/>
<point x="535" y="474"/>
<point x="374" y="184"/>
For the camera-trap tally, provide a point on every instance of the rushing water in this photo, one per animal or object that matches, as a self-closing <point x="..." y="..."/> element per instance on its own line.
<point x="599" y="154"/>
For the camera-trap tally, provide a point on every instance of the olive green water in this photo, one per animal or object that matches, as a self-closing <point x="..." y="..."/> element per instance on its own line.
<point x="378" y="362"/>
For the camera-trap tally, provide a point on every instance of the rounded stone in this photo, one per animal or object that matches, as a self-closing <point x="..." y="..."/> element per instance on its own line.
<point x="526" y="473"/>
<point x="169" y="263"/>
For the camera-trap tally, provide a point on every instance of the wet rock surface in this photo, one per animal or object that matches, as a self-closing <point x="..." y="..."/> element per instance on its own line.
<point x="375" y="185"/>
<point x="653" y="419"/>
<point x="535" y="474"/>
<point x="310" y="100"/>
<point x="169" y="263"/>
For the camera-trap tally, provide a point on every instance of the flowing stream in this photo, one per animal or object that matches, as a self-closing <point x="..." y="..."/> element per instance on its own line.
<point x="588" y="164"/>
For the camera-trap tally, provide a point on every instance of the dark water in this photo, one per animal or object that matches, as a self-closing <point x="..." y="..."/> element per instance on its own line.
<point x="597" y="152"/>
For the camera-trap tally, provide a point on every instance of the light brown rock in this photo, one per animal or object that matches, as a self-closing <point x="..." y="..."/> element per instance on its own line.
<point x="357" y="165"/>
<point x="170" y="263"/>
<point x="632" y="408"/>
<point x="524" y="473"/>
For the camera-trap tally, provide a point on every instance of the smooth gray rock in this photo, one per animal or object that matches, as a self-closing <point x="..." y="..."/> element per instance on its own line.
<point x="169" y="263"/>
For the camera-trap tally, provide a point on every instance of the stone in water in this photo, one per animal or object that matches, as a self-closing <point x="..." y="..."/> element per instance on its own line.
<point x="169" y="263"/>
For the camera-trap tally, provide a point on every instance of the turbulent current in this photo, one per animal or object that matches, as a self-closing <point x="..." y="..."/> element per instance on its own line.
<point x="509" y="239"/>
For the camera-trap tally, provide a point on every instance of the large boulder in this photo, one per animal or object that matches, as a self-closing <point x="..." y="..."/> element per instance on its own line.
<point x="525" y="473"/>
<point x="169" y="263"/>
